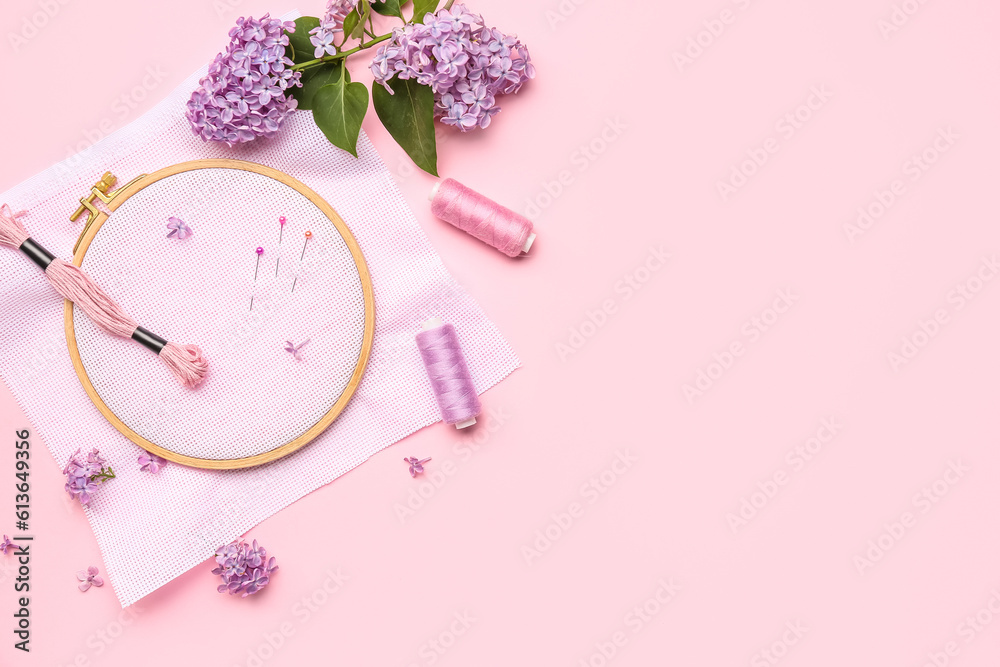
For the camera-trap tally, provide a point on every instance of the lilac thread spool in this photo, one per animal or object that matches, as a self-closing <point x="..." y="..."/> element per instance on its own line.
<point x="449" y="373"/>
<point x="479" y="216"/>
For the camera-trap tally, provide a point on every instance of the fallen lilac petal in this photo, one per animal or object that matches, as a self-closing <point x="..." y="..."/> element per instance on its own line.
<point x="89" y="578"/>
<point x="6" y="545"/>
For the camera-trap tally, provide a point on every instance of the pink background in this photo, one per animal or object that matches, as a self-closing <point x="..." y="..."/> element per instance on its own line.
<point x="616" y="150"/>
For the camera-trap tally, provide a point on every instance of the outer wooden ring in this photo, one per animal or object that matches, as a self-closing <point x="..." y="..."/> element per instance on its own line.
<point x="366" y="346"/>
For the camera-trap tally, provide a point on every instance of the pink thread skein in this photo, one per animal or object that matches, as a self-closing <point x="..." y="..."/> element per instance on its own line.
<point x="488" y="221"/>
<point x="184" y="361"/>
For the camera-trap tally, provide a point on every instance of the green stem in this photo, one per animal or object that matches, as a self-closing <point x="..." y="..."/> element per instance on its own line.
<point x="450" y="3"/>
<point x="340" y="56"/>
<point x="104" y="475"/>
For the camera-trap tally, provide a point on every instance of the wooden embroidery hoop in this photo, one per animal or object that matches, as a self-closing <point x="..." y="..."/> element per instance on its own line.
<point x="112" y="200"/>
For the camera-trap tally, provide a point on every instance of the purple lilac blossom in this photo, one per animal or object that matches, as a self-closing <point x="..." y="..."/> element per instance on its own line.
<point x="416" y="465"/>
<point x="322" y="36"/>
<point x="6" y="544"/>
<point x="80" y="475"/>
<point x="466" y="64"/>
<point x="244" y="568"/>
<point x="89" y="578"/>
<point x="149" y="462"/>
<point x="244" y="95"/>
<point x="178" y="229"/>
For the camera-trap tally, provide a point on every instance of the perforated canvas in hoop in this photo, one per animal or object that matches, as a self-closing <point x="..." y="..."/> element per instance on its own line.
<point x="241" y="308"/>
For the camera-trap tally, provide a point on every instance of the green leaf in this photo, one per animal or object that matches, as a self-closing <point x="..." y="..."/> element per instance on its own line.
<point x="421" y="8"/>
<point x="366" y="12"/>
<point x="388" y="8"/>
<point x="351" y="22"/>
<point x="339" y="109"/>
<point x="298" y="41"/>
<point x="313" y="79"/>
<point x="408" y="115"/>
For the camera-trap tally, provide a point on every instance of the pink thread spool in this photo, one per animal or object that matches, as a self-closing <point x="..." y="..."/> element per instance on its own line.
<point x="449" y="373"/>
<point x="479" y="216"/>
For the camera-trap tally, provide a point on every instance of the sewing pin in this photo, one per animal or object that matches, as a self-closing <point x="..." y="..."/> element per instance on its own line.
<point x="281" y="233"/>
<point x="260" y="251"/>
<point x="309" y="235"/>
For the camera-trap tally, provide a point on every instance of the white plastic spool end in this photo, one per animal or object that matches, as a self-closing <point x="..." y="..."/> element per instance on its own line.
<point x="466" y="424"/>
<point x="528" y="242"/>
<point x="434" y="191"/>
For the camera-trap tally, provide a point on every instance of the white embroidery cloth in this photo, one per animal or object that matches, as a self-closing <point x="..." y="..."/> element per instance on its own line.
<point x="152" y="528"/>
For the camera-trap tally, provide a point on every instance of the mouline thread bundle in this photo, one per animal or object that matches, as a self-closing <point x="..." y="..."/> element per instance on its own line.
<point x="184" y="361"/>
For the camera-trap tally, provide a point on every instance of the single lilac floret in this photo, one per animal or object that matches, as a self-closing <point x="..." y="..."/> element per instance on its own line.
<point x="7" y="545"/>
<point x="149" y="462"/>
<point x="416" y="465"/>
<point x="323" y="35"/>
<point x="89" y="578"/>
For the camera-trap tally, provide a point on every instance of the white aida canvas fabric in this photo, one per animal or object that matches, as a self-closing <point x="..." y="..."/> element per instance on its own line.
<point x="213" y="289"/>
<point x="197" y="510"/>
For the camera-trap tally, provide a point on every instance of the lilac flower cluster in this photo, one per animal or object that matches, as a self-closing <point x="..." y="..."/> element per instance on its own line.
<point x="322" y="36"/>
<point x="466" y="64"/>
<point x="244" y="568"/>
<point x="83" y="475"/>
<point x="244" y="94"/>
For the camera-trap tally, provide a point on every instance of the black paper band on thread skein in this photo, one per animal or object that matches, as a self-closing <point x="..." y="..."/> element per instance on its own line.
<point x="148" y="339"/>
<point x="37" y="253"/>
